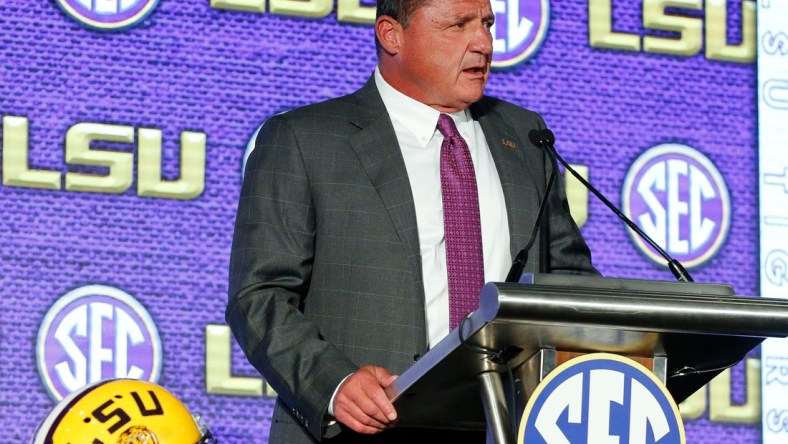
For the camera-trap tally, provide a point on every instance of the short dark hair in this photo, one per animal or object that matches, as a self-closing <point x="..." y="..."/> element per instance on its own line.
<point x="399" y="10"/>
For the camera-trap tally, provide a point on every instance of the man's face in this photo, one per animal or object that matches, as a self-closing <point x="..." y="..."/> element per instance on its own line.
<point x="445" y="53"/>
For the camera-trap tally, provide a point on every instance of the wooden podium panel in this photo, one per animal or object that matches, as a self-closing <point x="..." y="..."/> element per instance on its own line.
<point x="563" y="356"/>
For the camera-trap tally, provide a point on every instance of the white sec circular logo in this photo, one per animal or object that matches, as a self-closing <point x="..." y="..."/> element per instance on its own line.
<point x="601" y="398"/>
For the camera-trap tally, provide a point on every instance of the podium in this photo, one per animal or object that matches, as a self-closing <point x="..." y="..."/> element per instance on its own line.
<point x="482" y="374"/>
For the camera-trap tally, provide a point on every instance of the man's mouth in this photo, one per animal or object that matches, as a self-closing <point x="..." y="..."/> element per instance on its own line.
<point x="476" y="71"/>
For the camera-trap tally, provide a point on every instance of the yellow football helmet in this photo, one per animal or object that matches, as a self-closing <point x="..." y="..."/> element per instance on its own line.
<point x="122" y="411"/>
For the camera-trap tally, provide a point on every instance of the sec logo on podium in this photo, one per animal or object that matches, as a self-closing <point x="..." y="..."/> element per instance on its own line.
<point x="601" y="398"/>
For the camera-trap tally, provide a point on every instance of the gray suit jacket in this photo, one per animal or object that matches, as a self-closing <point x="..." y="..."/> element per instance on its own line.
<point x="325" y="272"/>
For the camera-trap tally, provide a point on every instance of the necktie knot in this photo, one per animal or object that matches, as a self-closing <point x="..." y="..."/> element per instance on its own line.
<point x="446" y="126"/>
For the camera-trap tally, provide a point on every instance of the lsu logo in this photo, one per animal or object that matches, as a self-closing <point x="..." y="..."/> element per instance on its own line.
<point x="678" y="197"/>
<point x="94" y="333"/>
<point x="601" y="398"/>
<point x="108" y="14"/>
<point x="519" y="30"/>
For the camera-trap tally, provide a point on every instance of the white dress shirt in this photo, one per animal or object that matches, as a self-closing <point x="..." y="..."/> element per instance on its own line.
<point x="415" y="125"/>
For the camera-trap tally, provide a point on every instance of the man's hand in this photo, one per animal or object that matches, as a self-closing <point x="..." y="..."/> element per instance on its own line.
<point x="362" y="405"/>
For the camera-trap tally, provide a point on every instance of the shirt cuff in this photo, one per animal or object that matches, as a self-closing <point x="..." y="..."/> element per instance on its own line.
<point x="331" y="401"/>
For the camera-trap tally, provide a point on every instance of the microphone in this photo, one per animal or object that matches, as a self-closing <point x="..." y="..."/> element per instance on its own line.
<point x="546" y="139"/>
<point x="518" y="265"/>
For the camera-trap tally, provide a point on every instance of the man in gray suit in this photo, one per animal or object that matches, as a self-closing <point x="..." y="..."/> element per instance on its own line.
<point x="339" y="273"/>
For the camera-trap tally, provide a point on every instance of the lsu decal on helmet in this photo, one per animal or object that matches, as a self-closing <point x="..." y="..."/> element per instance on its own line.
<point x="122" y="411"/>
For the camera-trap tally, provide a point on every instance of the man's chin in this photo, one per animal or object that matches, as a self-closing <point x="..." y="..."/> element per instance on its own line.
<point x="474" y="95"/>
<point x="462" y="100"/>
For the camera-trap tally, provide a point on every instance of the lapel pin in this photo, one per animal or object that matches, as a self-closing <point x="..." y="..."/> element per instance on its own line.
<point x="508" y="143"/>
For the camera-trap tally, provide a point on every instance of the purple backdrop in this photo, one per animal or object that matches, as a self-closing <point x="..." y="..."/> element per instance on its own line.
<point x="190" y="67"/>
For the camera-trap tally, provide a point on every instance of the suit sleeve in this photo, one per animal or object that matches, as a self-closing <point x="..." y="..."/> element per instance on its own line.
<point x="270" y="268"/>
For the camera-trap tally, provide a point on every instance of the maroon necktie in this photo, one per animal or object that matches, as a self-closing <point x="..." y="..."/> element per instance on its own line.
<point x="461" y="223"/>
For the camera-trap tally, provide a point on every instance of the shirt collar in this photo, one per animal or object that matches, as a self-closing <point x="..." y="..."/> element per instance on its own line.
<point x="418" y="118"/>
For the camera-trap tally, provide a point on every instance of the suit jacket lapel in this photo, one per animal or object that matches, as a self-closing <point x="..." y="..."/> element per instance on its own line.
<point x="520" y="168"/>
<point x="377" y="147"/>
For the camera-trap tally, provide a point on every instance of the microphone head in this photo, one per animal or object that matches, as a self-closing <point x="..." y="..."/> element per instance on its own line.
<point x="542" y="137"/>
<point x="537" y="137"/>
<point x="549" y="137"/>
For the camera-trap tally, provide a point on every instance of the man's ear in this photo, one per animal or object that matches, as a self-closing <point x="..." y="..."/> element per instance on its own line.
<point x="389" y="33"/>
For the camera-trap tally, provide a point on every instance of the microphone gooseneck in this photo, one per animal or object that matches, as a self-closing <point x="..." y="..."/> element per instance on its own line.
<point x="518" y="265"/>
<point x="546" y="139"/>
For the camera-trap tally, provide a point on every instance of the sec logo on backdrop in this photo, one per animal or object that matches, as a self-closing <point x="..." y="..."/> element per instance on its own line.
<point x="678" y="197"/>
<point x="519" y="30"/>
<point x="601" y="398"/>
<point x="93" y="333"/>
<point x="108" y="14"/>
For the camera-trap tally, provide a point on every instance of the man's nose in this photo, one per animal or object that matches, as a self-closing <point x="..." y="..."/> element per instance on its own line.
<point x="482" y="41"/>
